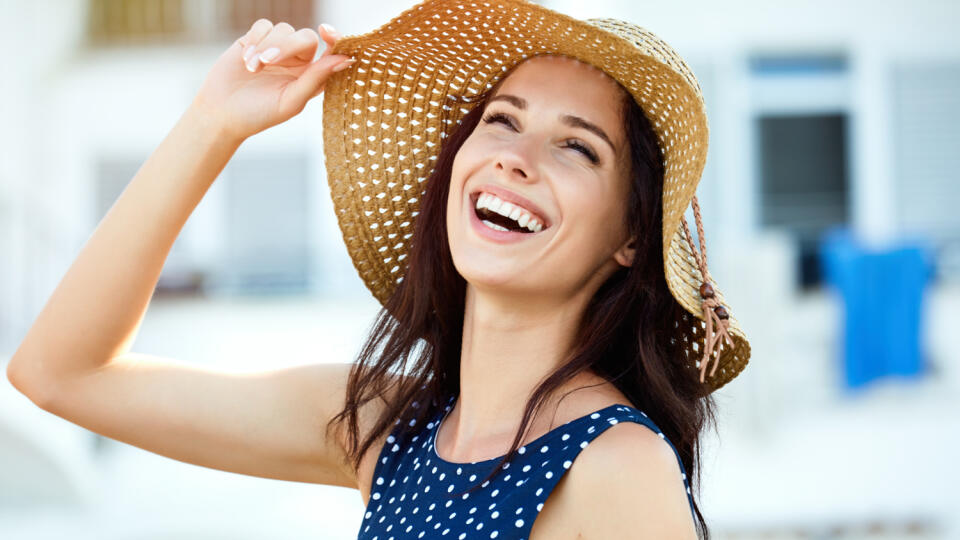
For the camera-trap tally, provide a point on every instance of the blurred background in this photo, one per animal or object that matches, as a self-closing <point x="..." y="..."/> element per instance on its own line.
<point x="829" y="201"/>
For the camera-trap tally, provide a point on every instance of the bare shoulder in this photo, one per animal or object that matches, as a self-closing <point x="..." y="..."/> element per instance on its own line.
<point x="627" y="483"/>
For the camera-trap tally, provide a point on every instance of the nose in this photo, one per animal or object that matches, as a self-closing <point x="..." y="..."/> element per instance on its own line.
<point x="516" y="161"/>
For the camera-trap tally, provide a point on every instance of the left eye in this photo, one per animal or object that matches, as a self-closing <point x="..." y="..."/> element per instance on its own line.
<point x="584" y="150"/>
<point x="502" y="118"/>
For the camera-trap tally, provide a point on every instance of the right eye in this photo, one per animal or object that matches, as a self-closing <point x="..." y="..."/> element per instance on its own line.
<point x="498" y="117"/>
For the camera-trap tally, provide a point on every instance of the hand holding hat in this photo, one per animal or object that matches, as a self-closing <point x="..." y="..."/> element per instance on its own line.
<point x="267" y="76"/>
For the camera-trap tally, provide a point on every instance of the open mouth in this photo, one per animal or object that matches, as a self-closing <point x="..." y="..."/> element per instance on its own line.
<point x="505" y="216"/>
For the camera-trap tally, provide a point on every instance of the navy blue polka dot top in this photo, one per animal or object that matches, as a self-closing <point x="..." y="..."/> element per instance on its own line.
<point x="416" y="494"/>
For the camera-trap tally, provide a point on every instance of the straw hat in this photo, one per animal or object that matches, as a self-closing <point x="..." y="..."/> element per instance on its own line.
<point x="383" y="123"/>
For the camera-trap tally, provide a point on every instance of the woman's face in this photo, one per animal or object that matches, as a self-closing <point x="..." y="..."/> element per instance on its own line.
<point x="550" y="152"/>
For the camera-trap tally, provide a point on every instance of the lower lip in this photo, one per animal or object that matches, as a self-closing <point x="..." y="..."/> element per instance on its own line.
<point x="503" y="237"/>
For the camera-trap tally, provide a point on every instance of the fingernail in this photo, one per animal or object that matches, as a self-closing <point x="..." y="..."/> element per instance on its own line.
<point x="344" y="65"/>
<point x="269" y="54"/>
<point x="252" y="64"/>
<point x="247" y="52"/>
<point x="328" y="28"/>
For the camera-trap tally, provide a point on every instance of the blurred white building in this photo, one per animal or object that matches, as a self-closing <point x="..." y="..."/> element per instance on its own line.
<point x="822" y="113"/>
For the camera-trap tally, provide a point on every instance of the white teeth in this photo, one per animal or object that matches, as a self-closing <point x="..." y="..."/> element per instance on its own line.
<point x="510" y="210"/>
<point x="494" y="226"/>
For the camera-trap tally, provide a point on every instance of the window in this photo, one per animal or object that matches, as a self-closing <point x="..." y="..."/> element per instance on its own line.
<point x="267" y="240"/>
<point x="179" y="274"/>
<point x="926" y="135"/>
<point x="801" y="131"/>
<point x="803" y="180"/>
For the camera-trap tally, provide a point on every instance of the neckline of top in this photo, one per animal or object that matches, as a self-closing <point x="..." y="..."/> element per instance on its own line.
<point x="436" y="429"/>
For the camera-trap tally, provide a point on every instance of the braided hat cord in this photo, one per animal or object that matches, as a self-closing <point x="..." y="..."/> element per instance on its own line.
<point x="715" y="315"/>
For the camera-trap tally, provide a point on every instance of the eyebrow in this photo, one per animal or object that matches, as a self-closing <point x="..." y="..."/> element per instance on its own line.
<point x="568" y="119"/>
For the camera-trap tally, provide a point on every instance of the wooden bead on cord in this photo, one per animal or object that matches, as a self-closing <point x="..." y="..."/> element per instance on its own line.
<point x="715" y="314"/>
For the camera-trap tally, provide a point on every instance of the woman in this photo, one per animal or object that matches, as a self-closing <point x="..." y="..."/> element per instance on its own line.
<point x="539" y="306"/>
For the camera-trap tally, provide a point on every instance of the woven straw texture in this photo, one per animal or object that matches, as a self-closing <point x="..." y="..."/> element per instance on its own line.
<point x="384" y="120"/>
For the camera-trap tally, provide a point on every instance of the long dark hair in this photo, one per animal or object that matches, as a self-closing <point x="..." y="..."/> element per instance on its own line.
<point x="628" y="334"/>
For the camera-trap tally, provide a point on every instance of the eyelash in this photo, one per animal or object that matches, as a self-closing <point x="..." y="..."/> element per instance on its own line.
<point x="497" y="117"/>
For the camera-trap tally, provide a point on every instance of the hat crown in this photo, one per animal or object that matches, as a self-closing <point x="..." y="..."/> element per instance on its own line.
<point x="650" y="44"/>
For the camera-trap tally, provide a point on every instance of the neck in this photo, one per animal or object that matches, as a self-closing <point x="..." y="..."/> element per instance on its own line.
<point x="508" y="349"/>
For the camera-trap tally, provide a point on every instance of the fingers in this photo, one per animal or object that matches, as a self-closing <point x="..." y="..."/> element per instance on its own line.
<point x="267" y="43"/>
<point x="258" y="31"/>
<point x="310" y="83"/>
<point x="329" y="36"/>
<point x="268" y="49"/>
<point x="285" y="49"/>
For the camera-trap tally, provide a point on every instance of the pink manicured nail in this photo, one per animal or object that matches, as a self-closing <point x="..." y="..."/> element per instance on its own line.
<point x="344" y="65"/>
<point x="269" y="54"/>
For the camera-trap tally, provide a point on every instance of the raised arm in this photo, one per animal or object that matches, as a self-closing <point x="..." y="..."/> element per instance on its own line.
<point x="75" y="360"/>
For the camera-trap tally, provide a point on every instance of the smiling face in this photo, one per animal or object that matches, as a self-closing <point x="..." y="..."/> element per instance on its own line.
<point x="538" y="190"/>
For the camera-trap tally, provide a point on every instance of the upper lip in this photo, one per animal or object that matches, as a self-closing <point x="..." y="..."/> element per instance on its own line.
<point x="511" y="197"/>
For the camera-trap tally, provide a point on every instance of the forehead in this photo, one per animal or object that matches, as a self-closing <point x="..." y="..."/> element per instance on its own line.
<point x="556" y="84"/>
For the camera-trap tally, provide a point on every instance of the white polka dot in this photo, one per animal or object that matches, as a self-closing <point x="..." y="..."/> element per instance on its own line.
<point x="549" y="474"/>
<point x="380" y="481"/>
<point x="567" y="463"/>
<point x="519" y="523"/>
<point x="526" y="468"/>
<point x="594" y="416"/>
<point x="495" y="514"/>
<point x="493" y="534"/>
<point x="544" y="449"/>
<point x="565" y="437"/>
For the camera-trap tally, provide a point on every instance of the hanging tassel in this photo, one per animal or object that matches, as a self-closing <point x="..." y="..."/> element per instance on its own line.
<point x="715" y="316"/>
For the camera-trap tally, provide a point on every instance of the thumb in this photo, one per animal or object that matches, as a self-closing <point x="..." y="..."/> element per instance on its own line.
<point x="309" y="83"/>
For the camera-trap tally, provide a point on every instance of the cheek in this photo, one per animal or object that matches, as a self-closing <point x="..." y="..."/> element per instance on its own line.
<point x="595" y="225"/>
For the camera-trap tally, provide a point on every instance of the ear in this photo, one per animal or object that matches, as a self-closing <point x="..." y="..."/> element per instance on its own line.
<point x="625" y="254"/>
